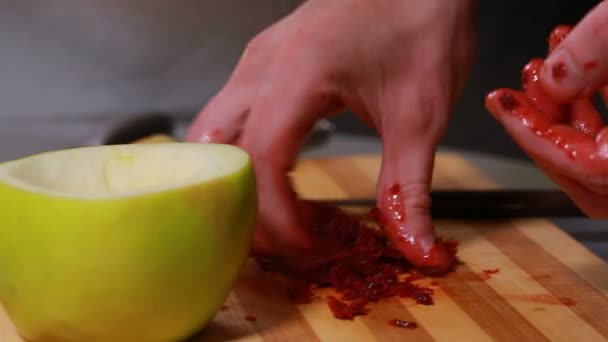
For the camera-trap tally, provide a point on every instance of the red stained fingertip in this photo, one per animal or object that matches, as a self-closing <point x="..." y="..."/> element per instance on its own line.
<point x="558" y="34"/>
<point x="533" y="89"/>
<point x="434" y="262"/>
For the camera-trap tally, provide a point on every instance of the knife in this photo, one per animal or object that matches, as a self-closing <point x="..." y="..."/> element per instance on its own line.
<point x="489" y="204"/>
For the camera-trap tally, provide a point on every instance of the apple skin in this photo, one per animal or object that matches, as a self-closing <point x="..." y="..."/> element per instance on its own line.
<point x="152" y="267"/>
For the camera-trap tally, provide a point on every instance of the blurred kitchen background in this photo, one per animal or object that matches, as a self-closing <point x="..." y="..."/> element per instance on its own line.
<point x="69" y="68"/>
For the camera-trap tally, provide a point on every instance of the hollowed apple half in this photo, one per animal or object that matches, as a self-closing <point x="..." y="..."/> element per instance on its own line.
<point x="123" y="243"/>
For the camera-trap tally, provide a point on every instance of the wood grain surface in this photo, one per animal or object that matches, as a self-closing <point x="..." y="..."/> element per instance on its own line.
<point x="549" y="286"/>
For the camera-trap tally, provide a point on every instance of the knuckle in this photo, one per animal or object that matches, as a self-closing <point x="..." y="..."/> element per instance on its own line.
<point x="424" y="110"/>
<point x="417" y="196"/>
<point x="255" y="46"/>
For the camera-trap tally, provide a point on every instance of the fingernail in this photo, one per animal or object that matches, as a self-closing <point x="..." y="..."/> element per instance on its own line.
<point x="205" y="138"/>
<point x="427" y="243"/>
<point x="424" y="242"/>
<point x="210" y="136"/>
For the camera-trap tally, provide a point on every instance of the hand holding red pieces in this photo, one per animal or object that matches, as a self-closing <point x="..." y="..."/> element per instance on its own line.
<point x="555" y="122"/>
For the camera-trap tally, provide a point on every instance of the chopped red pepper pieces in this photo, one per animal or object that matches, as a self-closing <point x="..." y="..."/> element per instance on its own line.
<point x="358" y="262"/>
<point x="403" y="324"/>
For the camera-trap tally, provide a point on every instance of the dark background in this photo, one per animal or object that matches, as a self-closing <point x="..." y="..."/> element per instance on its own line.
<point x="510" y="33"/>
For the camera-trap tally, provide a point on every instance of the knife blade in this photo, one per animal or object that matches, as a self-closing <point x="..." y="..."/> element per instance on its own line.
<point x="488" y="204"/>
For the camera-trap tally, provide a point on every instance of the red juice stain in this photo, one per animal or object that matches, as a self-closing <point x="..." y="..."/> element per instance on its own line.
<point x="415" y="275"/>
<point x="402" y="324"/>
<point x="395" y="203"/>
<point x="543" y="299"/>
<point x="559" y="141"/>
<point x="590" y="65"/>
<point x="562" y="139"/>
<point x="542" y="125"/>
<point x="567" y="301"/>
<point x="424" y="297"/>
<point x="508" y="102"/>
<point x="560" y="135"/>
<point x="250" y="318"/>
<point x="484" y="276"/>
<point x="487" y="274"/>
<point x="559" y="71"/>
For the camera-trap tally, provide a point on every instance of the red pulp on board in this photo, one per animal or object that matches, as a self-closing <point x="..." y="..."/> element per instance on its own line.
<point x="357" y="261"/>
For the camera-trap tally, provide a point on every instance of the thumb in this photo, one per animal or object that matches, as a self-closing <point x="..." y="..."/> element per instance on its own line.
<point x="578" y="66"/>
<point x="404" y="190"/>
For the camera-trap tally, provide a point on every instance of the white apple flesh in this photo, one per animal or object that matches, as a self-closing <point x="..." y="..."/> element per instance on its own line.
<point x="123" y="243"/>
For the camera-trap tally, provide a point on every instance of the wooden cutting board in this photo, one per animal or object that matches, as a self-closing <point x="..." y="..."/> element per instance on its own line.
<point x="549" y="286"/>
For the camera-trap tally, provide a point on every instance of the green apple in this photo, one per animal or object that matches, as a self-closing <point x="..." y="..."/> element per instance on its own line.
<point x="123" y="243"/>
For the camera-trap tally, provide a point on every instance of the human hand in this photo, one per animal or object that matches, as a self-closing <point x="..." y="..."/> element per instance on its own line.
<point x="554" y="119"/>
<point x="397" y="64"/>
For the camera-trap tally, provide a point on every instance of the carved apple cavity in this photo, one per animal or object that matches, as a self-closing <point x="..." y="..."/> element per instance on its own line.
<point x="123" y="243"/>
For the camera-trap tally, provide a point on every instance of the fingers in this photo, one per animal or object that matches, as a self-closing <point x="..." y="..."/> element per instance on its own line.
<point x="558" y="35"/>
<point x="531" y="85"/>
<point x="279" y="120"/>
<point x="222" y="120"/>
<point x="409" y="135"/>
<point x="555" y="121"/>
<point x="586" y="199"/>
<point x="566" y="150"/>
<point x="579" y="64"/>
<point x="586" y="118"/>
<point x="506" y="103"/>
<point x="581" y="115"/>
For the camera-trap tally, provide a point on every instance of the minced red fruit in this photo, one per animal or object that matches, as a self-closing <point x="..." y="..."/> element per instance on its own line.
<point x="357" y="261"/>
<point x="494" y="271"/>
<point x="250" y="318"/>
<point x="403" y="324"/>
<point x="344" y="310"/>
